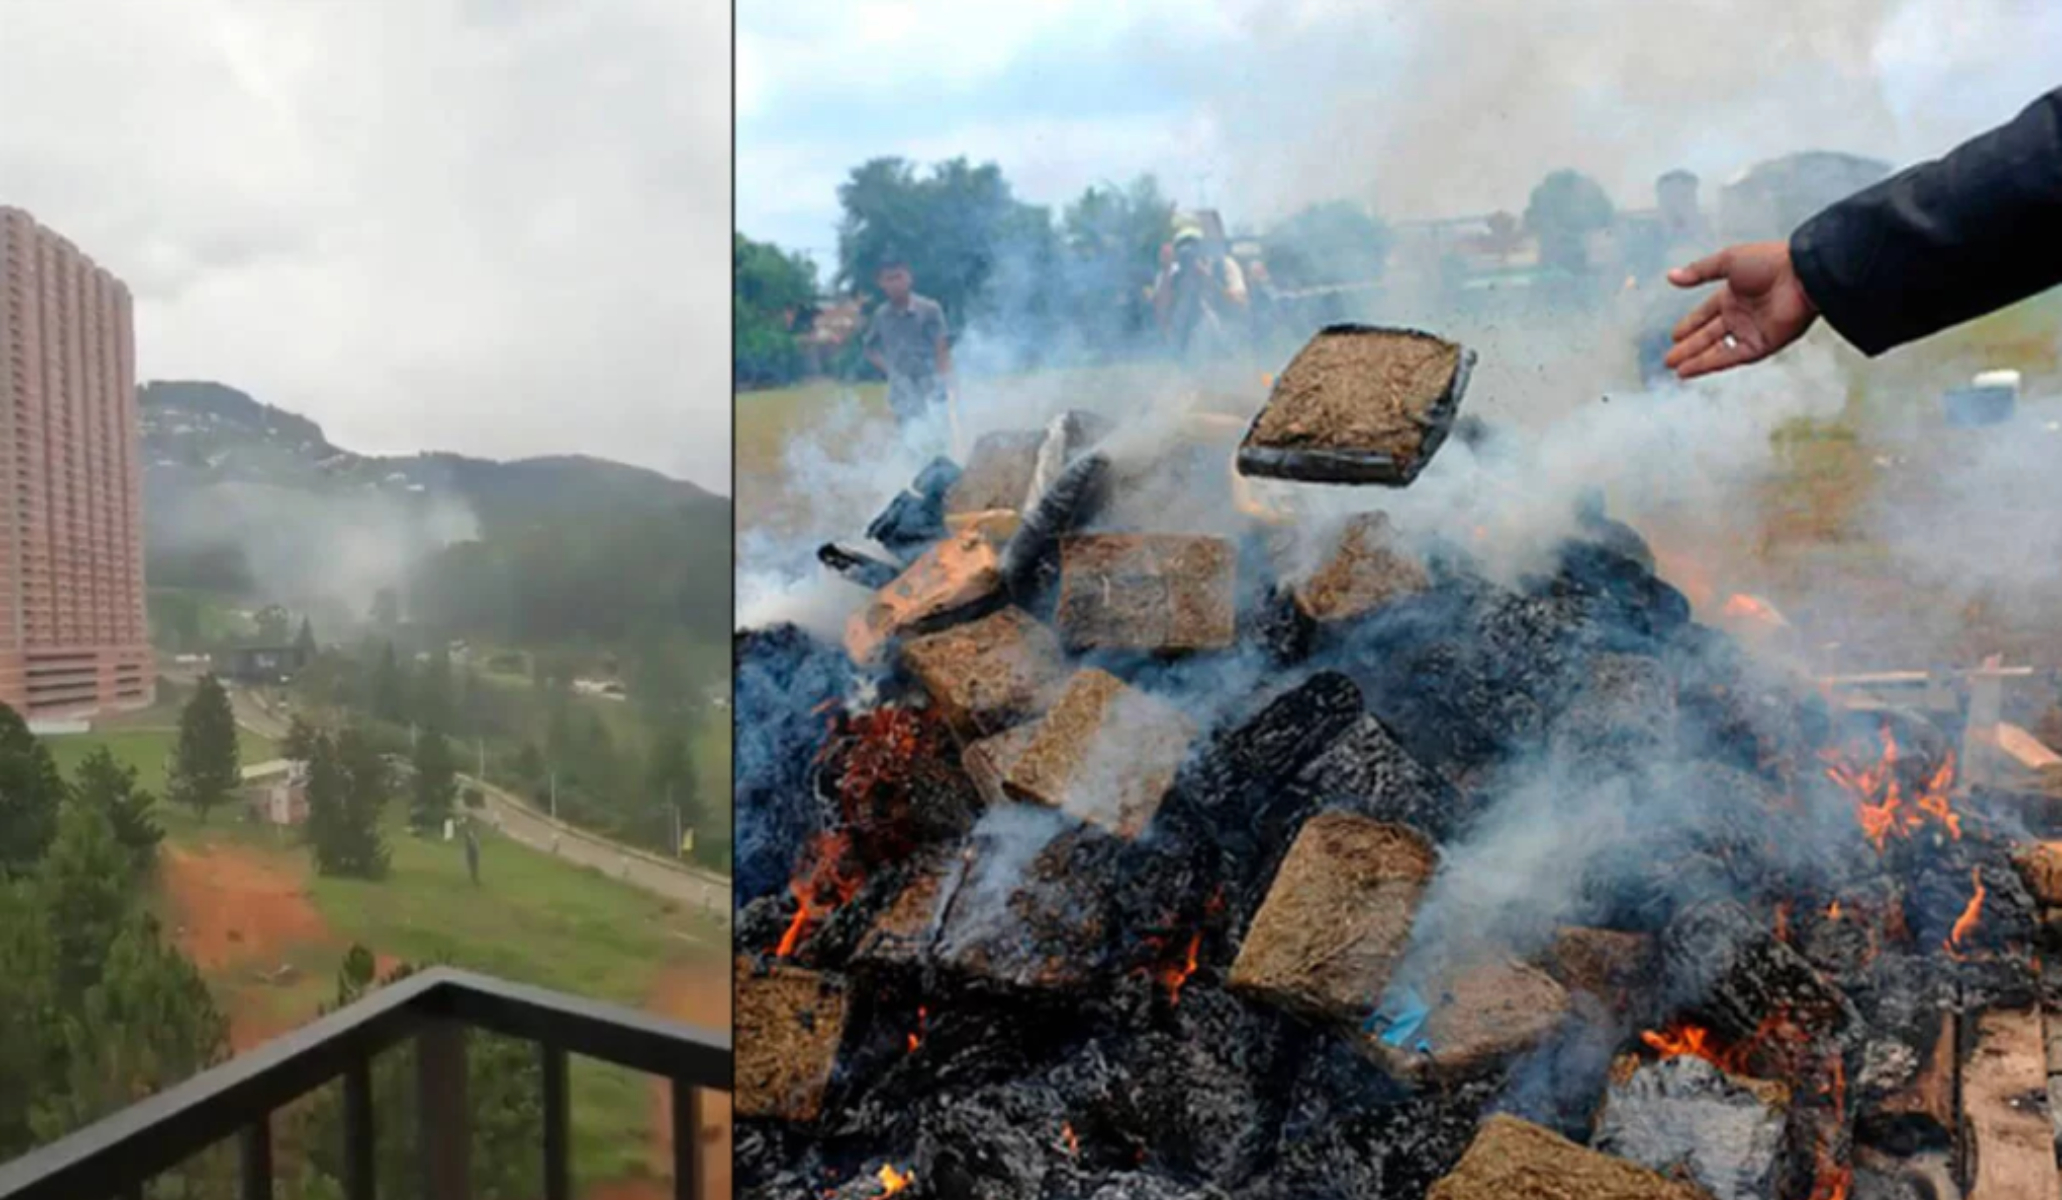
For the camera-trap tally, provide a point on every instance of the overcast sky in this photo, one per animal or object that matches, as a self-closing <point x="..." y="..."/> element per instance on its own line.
<point x="496" y="227"/>
<point x="1449" y="108"/>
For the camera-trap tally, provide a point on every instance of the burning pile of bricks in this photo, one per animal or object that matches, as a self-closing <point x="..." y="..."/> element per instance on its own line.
<point x="1097" y="861"/>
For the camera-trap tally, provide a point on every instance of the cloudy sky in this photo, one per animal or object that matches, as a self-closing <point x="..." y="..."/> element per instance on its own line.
<point x="496" y="227"/>
<point x="1261" y="106"/>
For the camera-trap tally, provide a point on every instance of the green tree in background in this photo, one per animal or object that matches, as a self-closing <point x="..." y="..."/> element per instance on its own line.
<point x="389" y="689"/>
<point x="31" y="791"/>
<point x="346" y="789"/>
<point x="147" y="1017"/>
<point x="773" y="295"/>
<point x="436" y="781"/>
<point x="108" y="787"/>
<point x="84" y="887"/>
<point x="30" y="1034"/>
<point x="205" y="770"/>
<point x="1112" y="238"/>
<point x="299" y="743"/>
<point x="1333" y="243"/>
<point x="973" y="246"/>
<point x="305" y="641"/>
<point x="1563" y="211"/>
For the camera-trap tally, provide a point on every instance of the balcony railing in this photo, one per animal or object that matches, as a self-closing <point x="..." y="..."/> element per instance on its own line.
<point x="117" y="1156"/>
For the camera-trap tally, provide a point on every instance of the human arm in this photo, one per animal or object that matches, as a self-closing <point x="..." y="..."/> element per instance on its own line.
<point x="1931" y="247"/>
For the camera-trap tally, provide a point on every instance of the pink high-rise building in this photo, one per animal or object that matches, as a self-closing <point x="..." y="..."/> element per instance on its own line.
<point x="73" y="639"/>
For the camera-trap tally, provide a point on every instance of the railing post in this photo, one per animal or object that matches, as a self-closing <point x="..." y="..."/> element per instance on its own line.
<point x="687" y="1136"/>
<point x="558" y="1173"/>
<point x="445" y="1133"/>
<point x="359" y="1183"/>
<point x="257" y="1160"/>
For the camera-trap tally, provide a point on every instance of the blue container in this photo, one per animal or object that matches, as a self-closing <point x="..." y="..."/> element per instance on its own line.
<point x="1971" y="407"/>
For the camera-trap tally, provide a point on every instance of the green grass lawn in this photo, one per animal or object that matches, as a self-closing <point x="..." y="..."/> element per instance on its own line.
<point x="532" y="918"/>
<point x="146" y="749"/>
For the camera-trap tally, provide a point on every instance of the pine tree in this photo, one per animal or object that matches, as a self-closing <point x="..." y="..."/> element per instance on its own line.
<point x="305" y="641"/>
<point x="29" y="1031"/>
<point x="389" y="690"/>
<point x="147" y="1022"/>
<point x="205" y="771"/>
<point x="31" y="791"/>
<point x="346" y="790"/>
<point x="109" y="786"/>
<point x="436" y="781"/>
<point x="85" y="889"/>
<point x="299" y="743"/>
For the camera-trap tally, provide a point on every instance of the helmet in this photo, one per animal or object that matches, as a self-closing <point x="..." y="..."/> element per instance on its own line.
<point x="1187" y="232"/>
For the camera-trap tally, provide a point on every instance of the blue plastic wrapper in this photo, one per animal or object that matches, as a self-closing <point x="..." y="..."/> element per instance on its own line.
<point x="1398" y="1020"/>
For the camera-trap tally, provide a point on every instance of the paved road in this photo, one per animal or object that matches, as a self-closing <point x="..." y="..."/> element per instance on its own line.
<point x="517" y="820"/>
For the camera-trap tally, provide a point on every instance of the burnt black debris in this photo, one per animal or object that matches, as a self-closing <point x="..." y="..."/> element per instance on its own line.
<point x="864" y="570"/>
<point x="916" y="516"/>
<point x="1698" y="923"/>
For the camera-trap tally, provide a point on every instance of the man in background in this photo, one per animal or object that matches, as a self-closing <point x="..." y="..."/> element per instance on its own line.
<point x="1200" y="296"/>
<point x="906" y="341"/>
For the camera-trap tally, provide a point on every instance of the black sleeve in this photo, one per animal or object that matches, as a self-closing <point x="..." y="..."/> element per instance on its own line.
<point x="1945" y="241"/>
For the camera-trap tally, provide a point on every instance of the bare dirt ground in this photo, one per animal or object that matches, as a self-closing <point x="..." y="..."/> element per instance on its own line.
<point x="242" y="919"/>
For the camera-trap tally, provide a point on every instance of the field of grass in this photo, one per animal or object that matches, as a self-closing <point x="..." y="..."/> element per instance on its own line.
<point x="148" y="749"/>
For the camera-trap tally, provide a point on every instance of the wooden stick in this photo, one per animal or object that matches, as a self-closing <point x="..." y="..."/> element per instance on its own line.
<point x="2011" y="1148"/>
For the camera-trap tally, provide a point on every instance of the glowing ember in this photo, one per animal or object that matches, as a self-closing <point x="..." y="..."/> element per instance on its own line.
<point x="892" y="1180"/>
<point x="1783" y="921"/>
<point x="1966" y="923"/>
<point x="917" y="1039"/>
<point x="1174" y="977"/>
<point x="1833" y="911"/>
<point x="1693" y="1040"/>
<point x="1894" y="815"/>
<point x="1067" y="1137"/>
<point x="826" y="876"/>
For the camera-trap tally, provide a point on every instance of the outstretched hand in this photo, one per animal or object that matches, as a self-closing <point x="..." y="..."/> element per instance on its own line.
<point x="1759" y="308"/>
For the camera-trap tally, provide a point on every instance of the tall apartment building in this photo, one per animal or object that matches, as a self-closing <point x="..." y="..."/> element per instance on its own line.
<point x="73" y="639"/>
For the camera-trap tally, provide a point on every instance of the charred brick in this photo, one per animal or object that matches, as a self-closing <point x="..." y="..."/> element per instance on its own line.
<point x="902" y="934"/>
<point x="916" y="516"/>
<point x="1104" y="753"/>
<point x="1364" y="572"/>
<point x="1517" y="1160"/>
<point x="998" y="473"/>
<point x="1032" y="911"/>
<point x="955" y="579"/>
<point x="1337" y="918"/>
<point x="988" y="761"/>
<point x="1612" y="965"/>
<point x="1624" y="716"/>
<point x="789" y="1025"/>
<point x="1367" y="771"/>
<point x="1736" y="974"/>
<point x="1484" y="1015"/>
<point x="1160" y="593"/>
<point x="989" y="674"/>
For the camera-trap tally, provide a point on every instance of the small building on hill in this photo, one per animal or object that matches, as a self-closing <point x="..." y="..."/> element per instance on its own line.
<point x="279" y="799"/>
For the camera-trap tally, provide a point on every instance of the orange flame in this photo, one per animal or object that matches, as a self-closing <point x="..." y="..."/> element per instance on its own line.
<point x="1833" y="911"/>
<point x="916" y="1039"/>
<point x="1696" y="1041"/>
<point x="826" y="875"/>
<point x="892" y="1180"/>
<point x="1067" y="1136"/>
<point x="1175" y="977"/>
<point x="1892" y="816"/>
<point x="1966" y="923"/>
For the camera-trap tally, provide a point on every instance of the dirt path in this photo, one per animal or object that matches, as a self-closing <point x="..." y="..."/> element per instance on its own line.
<point x="699" y="995"/>
<point x="242" y="919"/>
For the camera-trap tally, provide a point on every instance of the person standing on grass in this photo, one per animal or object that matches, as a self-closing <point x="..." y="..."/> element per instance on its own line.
<point x="906" y="341"/>
<point x="1934" y="246"/>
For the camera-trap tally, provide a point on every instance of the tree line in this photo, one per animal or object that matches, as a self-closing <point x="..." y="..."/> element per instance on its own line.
<point x="1070" y="285"/>
<point x="622" y="774"/>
